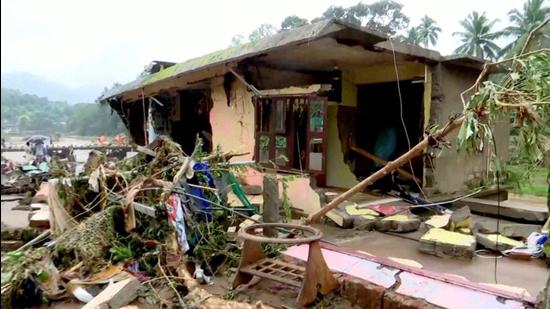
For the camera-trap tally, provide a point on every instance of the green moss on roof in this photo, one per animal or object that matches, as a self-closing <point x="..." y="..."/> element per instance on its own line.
<point x="309" y="31"/>
<point x="190" y="64"/>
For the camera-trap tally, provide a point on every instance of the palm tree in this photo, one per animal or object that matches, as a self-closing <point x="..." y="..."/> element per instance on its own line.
<point x="428" y="31"/>
<point x="523" y="22"/>
<point x="477" y="39"/>
<point x="413" y="36"/>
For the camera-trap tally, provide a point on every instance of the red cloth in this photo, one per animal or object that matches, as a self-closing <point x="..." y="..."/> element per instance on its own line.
<point x="387" y="210"/>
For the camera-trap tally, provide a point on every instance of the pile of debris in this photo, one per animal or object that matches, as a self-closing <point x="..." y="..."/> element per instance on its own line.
<point x="447" y="233"/>
<point x="458" y="235"/>
<point x="137" y="228"/>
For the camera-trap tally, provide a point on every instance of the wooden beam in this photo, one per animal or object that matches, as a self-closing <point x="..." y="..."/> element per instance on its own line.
<point x="379" y="160"/>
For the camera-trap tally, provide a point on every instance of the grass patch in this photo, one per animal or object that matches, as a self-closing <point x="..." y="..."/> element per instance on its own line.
<point x="527" y="180"/>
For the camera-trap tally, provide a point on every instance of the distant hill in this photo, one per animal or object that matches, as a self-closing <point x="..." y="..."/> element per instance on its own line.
<point x="42" y="87"/>
<point x="23" y="112"/>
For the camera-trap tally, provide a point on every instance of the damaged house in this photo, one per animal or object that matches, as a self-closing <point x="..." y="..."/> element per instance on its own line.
<point x="330" y="99"/>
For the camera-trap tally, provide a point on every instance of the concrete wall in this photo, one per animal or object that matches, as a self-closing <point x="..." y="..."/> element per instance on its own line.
<point x="338" y="172"/>
<point x="385" y="72"/>
<point x="453" y="171"/>
<point x="233" y="125"/>
<point x="233" y="130"/>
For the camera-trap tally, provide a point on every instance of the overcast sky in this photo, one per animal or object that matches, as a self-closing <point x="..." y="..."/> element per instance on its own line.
<point x="99" y="42"/>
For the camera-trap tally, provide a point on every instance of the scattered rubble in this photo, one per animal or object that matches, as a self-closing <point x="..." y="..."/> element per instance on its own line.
<point x="514" y="230"/>
<point x="497" y="242"/>
<point x="445" y="243"/>
<point x="506" y="210"/>
<point x="398" y="223"/>
<point x="120" y="232"/>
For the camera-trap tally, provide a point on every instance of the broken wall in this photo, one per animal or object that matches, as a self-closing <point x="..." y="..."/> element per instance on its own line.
<point x="339" y="173"/>
<point x="233" y="130"/>
<point x="233" y="123"/>
<point x="453" y="171"/>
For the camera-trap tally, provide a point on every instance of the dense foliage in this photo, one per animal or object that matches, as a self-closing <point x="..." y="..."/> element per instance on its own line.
<point x="24" y="112"/>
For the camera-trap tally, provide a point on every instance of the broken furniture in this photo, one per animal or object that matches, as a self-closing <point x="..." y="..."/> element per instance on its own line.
<point x="315" y="277"/>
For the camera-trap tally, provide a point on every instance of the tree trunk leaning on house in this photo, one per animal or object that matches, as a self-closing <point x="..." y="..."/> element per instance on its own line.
<point x="417" y="150"/>
<point x="515" y="95"/>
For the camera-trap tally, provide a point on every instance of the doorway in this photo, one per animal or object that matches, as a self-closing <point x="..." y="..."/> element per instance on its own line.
<point x="193" y="119"/>
<point x="387" y="126"/>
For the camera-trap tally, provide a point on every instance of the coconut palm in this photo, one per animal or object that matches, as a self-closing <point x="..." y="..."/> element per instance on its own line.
<point x="428" y="31"/>
<point x="523" y="22"/>
<point x="477" y="39"/>
<point x="413" y="36"/>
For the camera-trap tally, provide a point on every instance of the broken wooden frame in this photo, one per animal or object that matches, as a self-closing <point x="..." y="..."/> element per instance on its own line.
<point x="315" y="277"/>
<point x="291" y="131"/>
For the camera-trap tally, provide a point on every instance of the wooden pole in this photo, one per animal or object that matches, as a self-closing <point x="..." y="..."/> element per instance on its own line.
<point x="381" y="161"/>
<point x="388" y="168"/>
<point x="271" y="204"/>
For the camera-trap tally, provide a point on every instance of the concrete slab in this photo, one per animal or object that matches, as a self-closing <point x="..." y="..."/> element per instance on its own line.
<point x="13" y="218"/>
<point x="401" y="223"/>
<point x="509" y="229"/>
<point x="497" y="242"/>
<point x="512" y="209"/>
<point x="530" y="275"/>
<point x="414" y="286"/>
<point x="444" y="243"/>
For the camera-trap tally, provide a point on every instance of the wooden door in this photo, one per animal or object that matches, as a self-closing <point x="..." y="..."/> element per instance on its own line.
<point x="317" y="138"/>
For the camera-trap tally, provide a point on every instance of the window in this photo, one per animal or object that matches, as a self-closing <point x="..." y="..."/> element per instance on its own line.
<point x="290" y="132"/>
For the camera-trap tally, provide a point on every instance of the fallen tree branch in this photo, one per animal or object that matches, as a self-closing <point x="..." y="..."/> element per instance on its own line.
<point x="224" y="156"/>
<point x="488" y="65"/>
<point x="521" y="104"/>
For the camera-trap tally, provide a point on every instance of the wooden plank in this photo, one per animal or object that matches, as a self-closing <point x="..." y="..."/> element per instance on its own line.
<point x="260" y="274"/>
<point x="271" y="204"/>
<point x="427" y="98"/>
<point x="144" y="150"/>
<point x="10" y="245"/>
<point x="382" y="161"/>
<point x="144" y="209"/>
<point x="116" y="295"/>
<point x="317" y="277"/>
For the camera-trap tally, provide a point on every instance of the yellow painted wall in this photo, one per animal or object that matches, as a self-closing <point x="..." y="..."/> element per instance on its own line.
<point x="385" y="72"/>
<point x="338" y="172"/>
<point x="232" y="126"/>
<point x="349" y="90"/>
